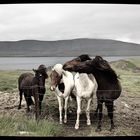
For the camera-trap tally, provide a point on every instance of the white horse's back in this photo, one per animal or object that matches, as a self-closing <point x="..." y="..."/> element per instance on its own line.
<point x="85" y="85"/>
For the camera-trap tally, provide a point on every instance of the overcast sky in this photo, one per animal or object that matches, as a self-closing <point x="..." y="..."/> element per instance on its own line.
<point x="69" y="21"/>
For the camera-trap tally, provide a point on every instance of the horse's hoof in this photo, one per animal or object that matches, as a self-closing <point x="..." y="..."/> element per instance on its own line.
<point x="60" y="122"/>
<point x="112" y="128"/>
<point x="76" y="126"/>
<point x="88" y="123"/>
<point x="65" y="121"/>
<point x="98" y="130"/>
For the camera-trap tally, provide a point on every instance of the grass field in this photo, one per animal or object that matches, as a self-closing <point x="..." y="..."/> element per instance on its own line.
<point x="14" y="122"/>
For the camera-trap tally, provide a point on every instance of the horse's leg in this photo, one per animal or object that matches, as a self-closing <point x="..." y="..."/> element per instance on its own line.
<point x="20" y="94"/>
<point x="60" y="102"/>
<point x="78" y="112"/>
<point x="27" y="102"/>
<point x="36" y="97"/>
<point x="100" y="105"/>
<point x="40" y="101"/>
<point x="110" y="113"/>
<point x="96" y="111"/>
<point x="65" y="107"/>
<point x="41" y="96"/>
<point x="88" y="111"/>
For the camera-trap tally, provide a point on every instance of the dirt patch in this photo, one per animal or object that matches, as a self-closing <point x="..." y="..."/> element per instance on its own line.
<point x="126" y="118"/>
<point x="126" y="115"/>
<point x="9" y="104"/>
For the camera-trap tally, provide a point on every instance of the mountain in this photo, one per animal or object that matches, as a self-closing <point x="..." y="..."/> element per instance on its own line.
<point x="74" y="47"/>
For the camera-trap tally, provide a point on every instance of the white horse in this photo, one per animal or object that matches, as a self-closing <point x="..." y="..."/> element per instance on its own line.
<point x="62" y="82"/>
<point x="83" y="86"/>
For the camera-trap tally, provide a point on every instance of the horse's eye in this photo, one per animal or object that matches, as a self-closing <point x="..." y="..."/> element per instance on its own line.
<point x="40" y="75"/>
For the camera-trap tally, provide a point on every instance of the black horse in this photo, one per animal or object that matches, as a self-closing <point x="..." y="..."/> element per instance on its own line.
<point x="33" y="85"/>
<point x="109" y="87"/>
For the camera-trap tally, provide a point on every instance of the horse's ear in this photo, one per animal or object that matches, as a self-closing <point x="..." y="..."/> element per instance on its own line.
<point x="99" y="58"/>
<point x="34" y="70"/>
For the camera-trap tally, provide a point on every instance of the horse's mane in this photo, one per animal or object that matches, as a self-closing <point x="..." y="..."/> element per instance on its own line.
<point x="58" y="68"/>
<point x="84" y="57"/>
<point x="102" y="65"/>
<point x="42" y="67"/>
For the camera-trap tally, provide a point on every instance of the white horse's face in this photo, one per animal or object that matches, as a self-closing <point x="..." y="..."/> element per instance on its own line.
<point x="55" y="80"/>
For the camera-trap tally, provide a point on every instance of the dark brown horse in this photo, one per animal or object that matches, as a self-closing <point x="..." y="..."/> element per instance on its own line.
<point x="109" y="87"/>
<point x="33" y="85"/>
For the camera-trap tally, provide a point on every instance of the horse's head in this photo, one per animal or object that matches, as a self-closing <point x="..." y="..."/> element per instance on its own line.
<point x="70" y="64"/>
<point x="43" y="70"/>
<point x="85" y="64"/>
<point x="96" y="63"/>
<point x="56" y="76"/>
<point x="39" y="78"/>
<point x="83" y="67"/>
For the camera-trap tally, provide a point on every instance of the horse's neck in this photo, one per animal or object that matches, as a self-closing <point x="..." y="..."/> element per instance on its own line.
<point x="68" y="79"/>
<point x="34" y="81"/>
<point x="104" y="81"/>
<point x="38" y="81"/>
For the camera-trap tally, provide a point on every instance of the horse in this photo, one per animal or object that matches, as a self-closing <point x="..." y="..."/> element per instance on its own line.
<point x="70" y="64"/>
<point x="81" y="85"/>
<point x="109" y="86"/>
<point x="33" y="85"/>
<point x="85" y="88"/>
<point x="63" y="85"/>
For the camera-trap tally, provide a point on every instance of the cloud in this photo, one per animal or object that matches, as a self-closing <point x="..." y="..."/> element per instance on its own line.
<point x="67" y="21"/>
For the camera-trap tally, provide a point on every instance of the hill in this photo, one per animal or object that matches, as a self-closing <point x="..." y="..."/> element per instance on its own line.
<point x="125" y="65"/>
<point x="72" y="47"/>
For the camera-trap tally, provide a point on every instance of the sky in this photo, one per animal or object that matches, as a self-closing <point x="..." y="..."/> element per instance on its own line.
<point x="69" y="21"/>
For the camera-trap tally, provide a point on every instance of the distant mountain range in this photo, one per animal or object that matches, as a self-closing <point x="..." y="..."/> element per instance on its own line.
<point x="74" y="47"/>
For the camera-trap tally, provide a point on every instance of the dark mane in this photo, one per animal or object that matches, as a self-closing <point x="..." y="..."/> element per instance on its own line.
<point x="102" y="65"/>
<point x="84" y="57"/>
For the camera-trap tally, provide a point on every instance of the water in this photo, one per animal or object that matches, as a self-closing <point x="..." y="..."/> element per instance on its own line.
<point x="28" y="63"/>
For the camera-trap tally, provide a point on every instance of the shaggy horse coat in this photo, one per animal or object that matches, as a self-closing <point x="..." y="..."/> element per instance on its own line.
<point x="33" y="85"/>
<point x="109" y="87"/>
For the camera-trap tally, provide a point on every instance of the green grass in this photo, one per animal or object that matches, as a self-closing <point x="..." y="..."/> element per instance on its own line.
<point x="130" y="80"/>
<point x="10" y="126"/>
<point x="8" y="80"/>
<point x="136" y="61"/>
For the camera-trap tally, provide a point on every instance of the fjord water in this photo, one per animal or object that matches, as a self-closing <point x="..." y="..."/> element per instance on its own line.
<point x="28" y="63"/>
